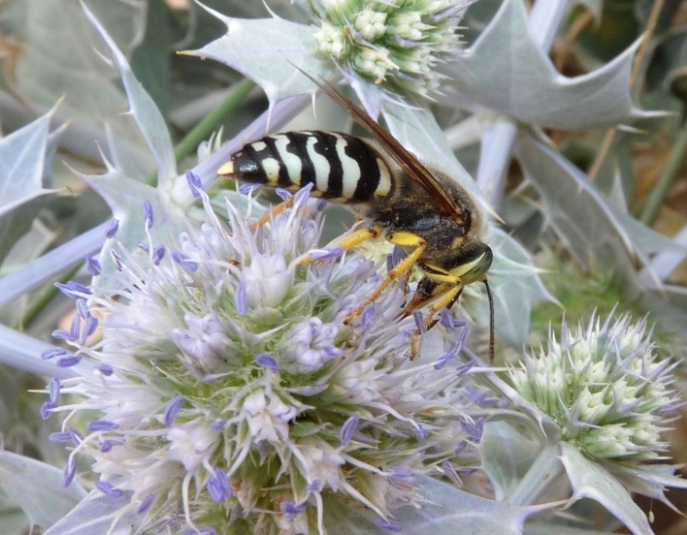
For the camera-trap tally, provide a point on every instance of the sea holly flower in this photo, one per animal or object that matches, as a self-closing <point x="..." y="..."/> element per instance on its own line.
<point x="605" y="387"/>
<point x="394" y="43"/>
<point x="230" y="395"/>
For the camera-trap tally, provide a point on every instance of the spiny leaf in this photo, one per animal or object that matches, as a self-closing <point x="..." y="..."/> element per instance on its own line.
<point x="505" y="70"/>
<point x="143" y="109"/>
<point x="446" y="511"/>
<point x="589" y="226"/>
<point x="650" y="481"/>
<point x="37" y="488"/>
<point x="266" y="50"/>
<point x="58" y="60"/>
<point x="98" y="513"/>
<point x="22" y="163"/>
<point x="591" y="480"/>
<point x="24" y="156"/>
<point x="126" y="195"/>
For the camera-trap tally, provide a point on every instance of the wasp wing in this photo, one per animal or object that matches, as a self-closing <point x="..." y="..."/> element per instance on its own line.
<point x="404" y="158"/>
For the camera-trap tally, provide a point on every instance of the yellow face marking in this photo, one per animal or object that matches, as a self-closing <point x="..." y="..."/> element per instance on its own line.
<point x="226" y="169"/>
<point x="259" y="146"/>
<point x="471" y="271"/>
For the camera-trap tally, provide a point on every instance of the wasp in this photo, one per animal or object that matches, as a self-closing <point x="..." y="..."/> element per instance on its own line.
<point x="415" y="206"/>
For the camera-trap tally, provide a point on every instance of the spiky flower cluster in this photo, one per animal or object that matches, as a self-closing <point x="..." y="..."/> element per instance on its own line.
<point x="232" y="396"/>
<point x="605" y="387"/>
<point x="392" y="42"/>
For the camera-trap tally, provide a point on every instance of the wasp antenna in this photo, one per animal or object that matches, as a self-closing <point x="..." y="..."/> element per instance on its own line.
<point x="491" y="323"/>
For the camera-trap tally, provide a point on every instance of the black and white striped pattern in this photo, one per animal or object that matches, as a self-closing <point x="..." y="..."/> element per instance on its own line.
<point x="341" y="168"/>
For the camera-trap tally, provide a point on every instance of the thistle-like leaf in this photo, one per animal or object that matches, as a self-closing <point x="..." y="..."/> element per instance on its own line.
<point x="58" y="60"/>
<point x="266" y="50"/>
<point x="592" y="480"/>
<point x="143" y="109"/>
<point x="505" y="70"/>
<point x="650" y="481"/>
<point x="98" y="513"/>
<point x="37" y="488"/>
<point x="593" y="230"/>
<point x="447" y="510"/>
<point x="125" y="195"/>
<point x="25" y="156"/>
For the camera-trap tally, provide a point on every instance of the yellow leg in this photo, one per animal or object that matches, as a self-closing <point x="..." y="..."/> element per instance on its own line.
<point x="405" y="265"/>
<point x="445" y="299"/>
<point x="276" y="210"/>
<point x="358" y="237"/>
<point x="423" y="296"/>
<point x="353" y="239"/>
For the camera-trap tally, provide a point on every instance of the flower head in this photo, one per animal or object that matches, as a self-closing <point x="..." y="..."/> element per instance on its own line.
<point x="605" y="387"/>
<point x="394" y="43"/>
<point x="230" y="390"/>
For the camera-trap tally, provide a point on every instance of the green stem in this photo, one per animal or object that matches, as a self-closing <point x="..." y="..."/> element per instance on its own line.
<point x="655" y="199"/>
<point x="543" y="473"/>
<point x="209" y="124"/>
<point x="47" y="295"/>
<point x="204" y="128"/>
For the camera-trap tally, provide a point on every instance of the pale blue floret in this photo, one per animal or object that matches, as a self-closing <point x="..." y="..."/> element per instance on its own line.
<point x="309" y="346"/>
<point x="93" y="266"/>
<point x="113" y="228"/>
<point x="347" y="430"/>
<point x="267" y="361"/>
<point x="172" y="410"/>
<point x="204" y="339"/>
<point x="148" y="209"/>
